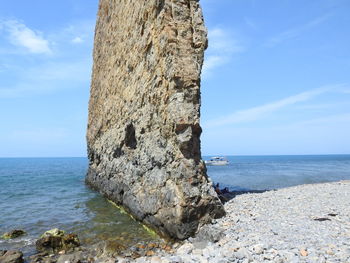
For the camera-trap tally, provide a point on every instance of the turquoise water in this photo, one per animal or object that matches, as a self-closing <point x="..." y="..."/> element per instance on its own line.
<point x="38" y="194"/>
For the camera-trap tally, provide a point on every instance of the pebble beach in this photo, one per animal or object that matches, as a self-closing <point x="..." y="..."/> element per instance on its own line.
<point x="306" y="223"/>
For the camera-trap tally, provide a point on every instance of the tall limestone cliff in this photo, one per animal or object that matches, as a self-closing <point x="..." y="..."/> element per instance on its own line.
<point x="143" y="129"/>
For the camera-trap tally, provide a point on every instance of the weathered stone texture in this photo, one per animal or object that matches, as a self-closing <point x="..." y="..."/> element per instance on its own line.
<point x="143" y="131"/>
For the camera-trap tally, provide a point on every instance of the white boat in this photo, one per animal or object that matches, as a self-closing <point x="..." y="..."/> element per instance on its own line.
<point x="217" y="161"/>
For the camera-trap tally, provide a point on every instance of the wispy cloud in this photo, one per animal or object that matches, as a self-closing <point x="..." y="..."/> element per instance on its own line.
<point x="222" y="46"/>
<point x="250" y="23"/>
<point x="296" y="31"/>
<point x="258" y="112"/>
<point x="221" y="40"/>
<point x="346" y="91"/>
<point x="321" y="106"/>
<point x="79" y="32"/>
<point x="77" y="40"/>
<point x="49" y="77"/>
<point x="22" y="36"/>
<point x="343" y="117"/>
<point x="213" y="61"/>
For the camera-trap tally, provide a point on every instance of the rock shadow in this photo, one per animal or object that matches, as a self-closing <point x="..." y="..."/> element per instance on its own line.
<point x="226" y="195"/>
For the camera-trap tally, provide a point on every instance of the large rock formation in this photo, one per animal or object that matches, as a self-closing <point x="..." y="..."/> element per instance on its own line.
<point x="143" y="131"/>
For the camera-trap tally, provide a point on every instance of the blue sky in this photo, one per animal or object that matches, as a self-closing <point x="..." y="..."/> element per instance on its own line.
<point x="275" y="81"/>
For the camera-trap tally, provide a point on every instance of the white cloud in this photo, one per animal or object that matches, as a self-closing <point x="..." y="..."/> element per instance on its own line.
<point x="222" y="46"/>
<point x="77" y="40"/>
<point x="296" y="31"/>
<point x="43" y="74"/>
<point x="212" y="62"/>
<point x="222" y="41"/>
<point x="258" y="112"/>
<point x="22" y="36"/>
<point x="78" y="32"/>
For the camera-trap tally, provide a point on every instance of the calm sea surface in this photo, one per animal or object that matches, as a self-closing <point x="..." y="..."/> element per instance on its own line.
<point x="272" y="172"/>
<point x="38" y="194"/>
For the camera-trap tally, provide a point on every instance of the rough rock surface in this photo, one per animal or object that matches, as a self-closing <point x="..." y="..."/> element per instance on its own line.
<point x="11" y="256"/>
<point x="13" y="234"/>
<point x="143" y="128"/>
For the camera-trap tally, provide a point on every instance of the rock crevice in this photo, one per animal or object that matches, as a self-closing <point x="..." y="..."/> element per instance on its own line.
<point x="143" y="129"/>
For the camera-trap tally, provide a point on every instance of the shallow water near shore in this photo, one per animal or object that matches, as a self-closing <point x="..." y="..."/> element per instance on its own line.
<point x="38" y="194"/>
<point x="43" y="193"/>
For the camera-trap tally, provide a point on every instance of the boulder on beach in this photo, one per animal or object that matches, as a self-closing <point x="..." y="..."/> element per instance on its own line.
<point x="11" y="256"/>
<point x="13" y="234"/>
<point x="56" y="240"/>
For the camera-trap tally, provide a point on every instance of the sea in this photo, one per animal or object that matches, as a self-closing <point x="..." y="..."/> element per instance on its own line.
<point x="38" y="194"/>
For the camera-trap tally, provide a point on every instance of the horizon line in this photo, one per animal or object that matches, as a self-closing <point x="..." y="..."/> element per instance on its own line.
<point x="304" y="154"/>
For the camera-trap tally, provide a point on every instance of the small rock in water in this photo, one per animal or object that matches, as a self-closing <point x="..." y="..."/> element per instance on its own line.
<point x="113" y="246"/>
<point x="11" y="256"/>
<point x="56" y="240"/>
<point x="54" y="232"/>
<point x="43" y="258"/>
<point x="13" y="234"/>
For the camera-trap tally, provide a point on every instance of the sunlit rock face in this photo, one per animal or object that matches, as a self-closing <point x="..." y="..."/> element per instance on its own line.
<point x="143" y="130"/>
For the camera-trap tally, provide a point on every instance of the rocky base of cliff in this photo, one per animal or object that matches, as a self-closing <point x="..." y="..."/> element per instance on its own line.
<point x="307" y="223"/>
